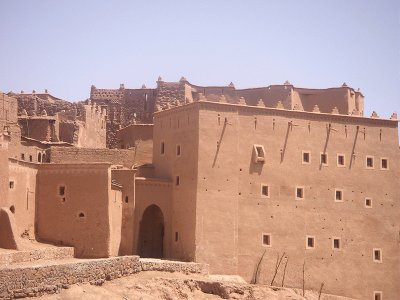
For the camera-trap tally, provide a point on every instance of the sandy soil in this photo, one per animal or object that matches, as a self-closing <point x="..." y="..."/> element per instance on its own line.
<point x="163" y="285"/>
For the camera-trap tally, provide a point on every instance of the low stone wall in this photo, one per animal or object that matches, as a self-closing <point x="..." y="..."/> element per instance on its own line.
<point x="151" y="264"/>
<point x="50" y="277"/>
<point x="77" y="155"/>
<point x="51" y="253"/>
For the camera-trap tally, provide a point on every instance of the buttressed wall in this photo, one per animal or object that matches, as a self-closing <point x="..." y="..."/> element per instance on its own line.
<point x="321" y="188"/>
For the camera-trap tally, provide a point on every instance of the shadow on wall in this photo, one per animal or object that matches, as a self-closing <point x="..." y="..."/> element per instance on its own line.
<point x="8" y="233"/>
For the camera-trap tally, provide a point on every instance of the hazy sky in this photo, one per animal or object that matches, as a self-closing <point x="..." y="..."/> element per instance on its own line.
<point x="66" y="46"/>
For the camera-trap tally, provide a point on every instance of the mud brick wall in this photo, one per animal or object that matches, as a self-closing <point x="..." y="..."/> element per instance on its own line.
<point x="19" y="282"/>
<point x="76" y="155"/>
<point x="36" y="103"/>
<point x="168" y="93"/>
<point x="8" y="108"/>
<point x="41" y="129"/>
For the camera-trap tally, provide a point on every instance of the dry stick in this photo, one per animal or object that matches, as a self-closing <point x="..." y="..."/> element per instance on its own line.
<point x="320" y="291"/>
<point x="277" y="267"/>
<point x="304" y="263"/>
<point x="258" y="268"/>
<point x="284" y="271"/>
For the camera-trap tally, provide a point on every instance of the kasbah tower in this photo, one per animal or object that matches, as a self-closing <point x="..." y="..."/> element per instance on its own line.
<point x="238" y="179"/>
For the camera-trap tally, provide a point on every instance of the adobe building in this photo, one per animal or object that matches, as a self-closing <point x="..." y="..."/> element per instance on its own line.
<point x="237" y="179"/>
<point x="125" y="106"/>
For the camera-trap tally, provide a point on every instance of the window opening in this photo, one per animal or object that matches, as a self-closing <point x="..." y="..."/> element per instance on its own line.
<point x="299" y="193"/>
<point x="338" y="195"/>
<point x="336" y="243"/>
<point x="306" y="157"/>
<point x="384" y="164"/>
<point x="61" y="190"/>
<point x="162" y="147"/>
<point x="340" y="160"/>
<point x="370" y="162"/>
<point x="310" y="242"/>
<point x="265" y="191"/>
<point x="266" y="239"/>
<point x="324" y="158"/>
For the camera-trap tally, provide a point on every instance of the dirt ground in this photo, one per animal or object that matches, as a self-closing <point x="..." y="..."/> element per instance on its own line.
<point x="164" y="285"/>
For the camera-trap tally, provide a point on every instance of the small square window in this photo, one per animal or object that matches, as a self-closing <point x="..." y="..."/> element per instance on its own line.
<point x="258" y="154"/>
<point x="324" y="159"/>
<point x="177" y="181"/>
<point x="378" y="296"/>
<point x="126" y="199"/>
<point x="368" y="202"/>
<point x="178" y="150"/>
<point x="306" y="157"/>
<point x="384" y="164"/>
<point x="310" y="242"/>
<point x="22" y="156"/>
<point x="377" y="255"/>
<point x="336" y="243"/>
<point x="341" y="162"/>
<point x="299" y="193"/>
<point x="266" y="239"/>
<point x="176" y="236"/>
<point x="30" y="158"/>
<point x="11" y="184"/>
<point x="369" y="162"/>
<point x="61" y="190"/>
<point x="338" y="195"/>
<point x="162" y="148"/>
<point x="264" y="191"/>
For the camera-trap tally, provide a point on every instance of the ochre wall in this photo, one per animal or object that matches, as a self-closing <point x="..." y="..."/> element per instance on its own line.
<point x="4" y="177"/>
<point x="87" y="191"/>
<point x="232" y="216"/>
<point x="179" y="127"/>
<point x="125" y="178"/>
<point x="23" y="195"/>
<point x="115" y="215"/>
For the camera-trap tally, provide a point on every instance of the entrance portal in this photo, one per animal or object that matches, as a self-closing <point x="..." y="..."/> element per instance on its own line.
<point x="151" y="233"/>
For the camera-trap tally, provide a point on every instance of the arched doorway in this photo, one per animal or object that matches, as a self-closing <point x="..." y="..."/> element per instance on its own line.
<point x="151" y="233"/>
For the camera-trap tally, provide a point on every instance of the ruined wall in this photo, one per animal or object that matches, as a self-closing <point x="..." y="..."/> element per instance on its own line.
<point x="229" y="198"/>
<point x="92" y="128"/>
<point x="170" y="94"/>
<point x="39" y="128"/>
<point x="69" y="131"/>
<point x="8" y="108"/>
<point x="73" y="207"/>
<point x="36" y="103"/>
<point x="75" y="155"/>
<point x="139" y="138"/>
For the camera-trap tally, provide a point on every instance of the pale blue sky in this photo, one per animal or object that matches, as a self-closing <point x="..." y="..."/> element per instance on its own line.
<point x="65" y="46"/>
